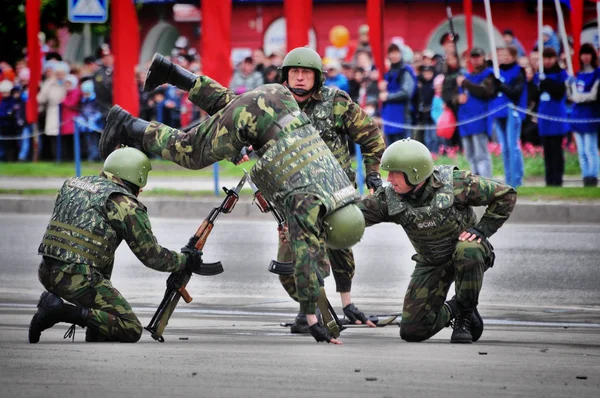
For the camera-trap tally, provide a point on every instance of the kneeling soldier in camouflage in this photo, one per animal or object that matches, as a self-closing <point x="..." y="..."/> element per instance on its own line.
<point x="91" y="217"/>
<point x="434" y="205"/>
<point x="296" y="171"/>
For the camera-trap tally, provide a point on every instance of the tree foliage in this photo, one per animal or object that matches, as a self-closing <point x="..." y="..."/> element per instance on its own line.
<point x="53" y="16"/>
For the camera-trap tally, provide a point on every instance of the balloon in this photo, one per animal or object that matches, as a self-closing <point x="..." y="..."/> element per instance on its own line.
<point x="446" y="124"/>
<point x="339" y="36"/>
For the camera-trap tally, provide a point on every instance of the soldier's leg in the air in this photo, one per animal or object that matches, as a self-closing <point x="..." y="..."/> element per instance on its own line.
<point x="471" y="260"/>
<point x="424" y="313"/>
<point x="163" y="71"/>
<point x="108" y="315"/>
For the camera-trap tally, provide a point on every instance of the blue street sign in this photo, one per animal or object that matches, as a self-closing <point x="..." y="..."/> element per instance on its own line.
<point x="88" y="11"/>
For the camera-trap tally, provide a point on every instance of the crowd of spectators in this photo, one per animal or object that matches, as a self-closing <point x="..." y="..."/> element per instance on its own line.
<point x="407" y="99"/>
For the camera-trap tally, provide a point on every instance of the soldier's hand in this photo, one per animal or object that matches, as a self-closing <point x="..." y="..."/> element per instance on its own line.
<point x="193" y="259"/>
<point x="356" y="316"/>
<point x="283" y="234"/>
<point x="472" y="234"/>
<point x="373" y="181"/>
<point x="243" y="156"/>
<point x="320" y="333"/>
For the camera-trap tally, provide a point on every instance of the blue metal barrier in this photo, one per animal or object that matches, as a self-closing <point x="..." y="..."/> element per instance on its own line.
<point x="360" y="176"/>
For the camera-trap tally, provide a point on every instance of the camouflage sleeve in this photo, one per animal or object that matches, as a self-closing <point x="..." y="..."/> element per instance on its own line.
<point x="130" y="219"/>
<point x="361" y="129"/>
<point x="474" y="190"/>
<point x="209" y="95"/>
<point x="374" y="208"/>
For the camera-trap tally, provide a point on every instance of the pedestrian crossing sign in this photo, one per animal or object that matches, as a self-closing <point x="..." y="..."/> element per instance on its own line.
<point x="88" y="11"/>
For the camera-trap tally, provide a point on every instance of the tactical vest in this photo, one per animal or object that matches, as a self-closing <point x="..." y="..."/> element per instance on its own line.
<point x="322" y="118"/>
<point x="79" y="231"/>
<point x="299" y="162"/>
<point x="433" y="229"/>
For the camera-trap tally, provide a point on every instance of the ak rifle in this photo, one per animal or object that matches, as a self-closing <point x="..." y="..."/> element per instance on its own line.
<point x="177" y="281"/>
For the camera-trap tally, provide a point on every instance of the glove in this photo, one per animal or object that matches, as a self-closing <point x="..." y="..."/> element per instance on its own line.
<point x="354" y="314"/>
<point x="497" y="85"/>
<point x="320" y="333"/>
<point x="373" y="181"/>
<point x="246" y="151"/>
<point x="477" y="233"/>
<point x="193" y="259"/>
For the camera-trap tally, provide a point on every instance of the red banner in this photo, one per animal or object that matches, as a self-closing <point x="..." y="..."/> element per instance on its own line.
<point x="34" y="60"/>
<point x="375" y="21"/>
<point x="125" y="45"/>
<point x="576" y="26"/>
<point x="468" y="7"/>
<point x="298" y="18"/>
<point x="216" y="40"/>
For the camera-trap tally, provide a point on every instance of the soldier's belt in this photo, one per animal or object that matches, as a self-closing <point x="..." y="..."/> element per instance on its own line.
<point x="272" y="132"/>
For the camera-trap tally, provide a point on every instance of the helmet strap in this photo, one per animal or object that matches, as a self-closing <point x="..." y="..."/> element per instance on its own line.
<point x="299" y="91"/>
<point x="132" y="187"/>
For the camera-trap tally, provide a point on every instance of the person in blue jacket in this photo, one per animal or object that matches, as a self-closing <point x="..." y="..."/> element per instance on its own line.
<point x="552" y="112"/>
<point x="474" y="93"/>
<point x="512" y="89"/>
<point x="396" y="99"/>
<point x="583" y="91"/>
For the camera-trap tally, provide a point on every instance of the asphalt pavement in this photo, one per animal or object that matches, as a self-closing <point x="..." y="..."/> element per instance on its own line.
<point x="540" y="303"/>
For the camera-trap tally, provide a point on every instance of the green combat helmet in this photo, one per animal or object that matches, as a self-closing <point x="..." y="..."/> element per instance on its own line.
<point x="344" y="227"/>
<point x="303" y="57"/>
<point x="129" y="164"/>
<point x="410" y="157"/>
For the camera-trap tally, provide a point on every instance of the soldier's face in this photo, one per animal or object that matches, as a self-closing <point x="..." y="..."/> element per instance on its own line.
<point x="303" y="78"/>
<point x="398" y="181"/>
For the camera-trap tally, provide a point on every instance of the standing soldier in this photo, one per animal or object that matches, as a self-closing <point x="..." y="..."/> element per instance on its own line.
<point x="103" y="80"/>
<point x="333" y="114"/>
<point x="434" y="205"/>
<point x="91" y="217"/>
<point x="296" y="171"/>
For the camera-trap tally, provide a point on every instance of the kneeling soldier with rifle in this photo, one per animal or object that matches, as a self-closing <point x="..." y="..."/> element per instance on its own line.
<point x="296" y="171"/>
<point x="91" y="217"/>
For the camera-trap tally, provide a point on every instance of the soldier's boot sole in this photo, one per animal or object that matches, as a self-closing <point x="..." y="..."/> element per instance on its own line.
<point x="122" y="129"/>
<point x="45" y="317"/>
<point x="163" y="71"/>
<point x="114" y="134"/>
<point x="158" y="72"/>
<point x="476" y="325"/>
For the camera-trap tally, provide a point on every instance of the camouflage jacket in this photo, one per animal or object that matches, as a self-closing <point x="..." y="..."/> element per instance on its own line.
<point x="434" y="217"/>
<point x="331" y="111"/>
<point x="91" y="217"/>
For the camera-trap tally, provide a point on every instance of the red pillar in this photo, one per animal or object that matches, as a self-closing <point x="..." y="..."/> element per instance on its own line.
<point x="375" y="21"/>
<point x="298" y="16"/>
<point x="216" y="40"/>
<point x="125" y="45"/>
<point x="34" y="61"/>
<point x="576" y="25"/>
<point x="468" y="7"/>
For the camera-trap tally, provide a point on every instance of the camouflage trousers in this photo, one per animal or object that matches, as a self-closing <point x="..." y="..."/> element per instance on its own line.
<point x="424" y="313"/>
<point x="304" y="215"/>
<point x="342" y="265"/>
<point x="110" y="315"/>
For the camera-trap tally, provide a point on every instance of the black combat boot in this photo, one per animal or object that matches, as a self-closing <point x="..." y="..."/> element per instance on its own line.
<point x="476" y="322"/>
<point x="586" y="181"/>
<point x="122" y="129"/>
<point x="462" y="328"/>
<point x="52" y="310"/>
<point x="300" y="324"/>
<point x="163" y="71"/>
